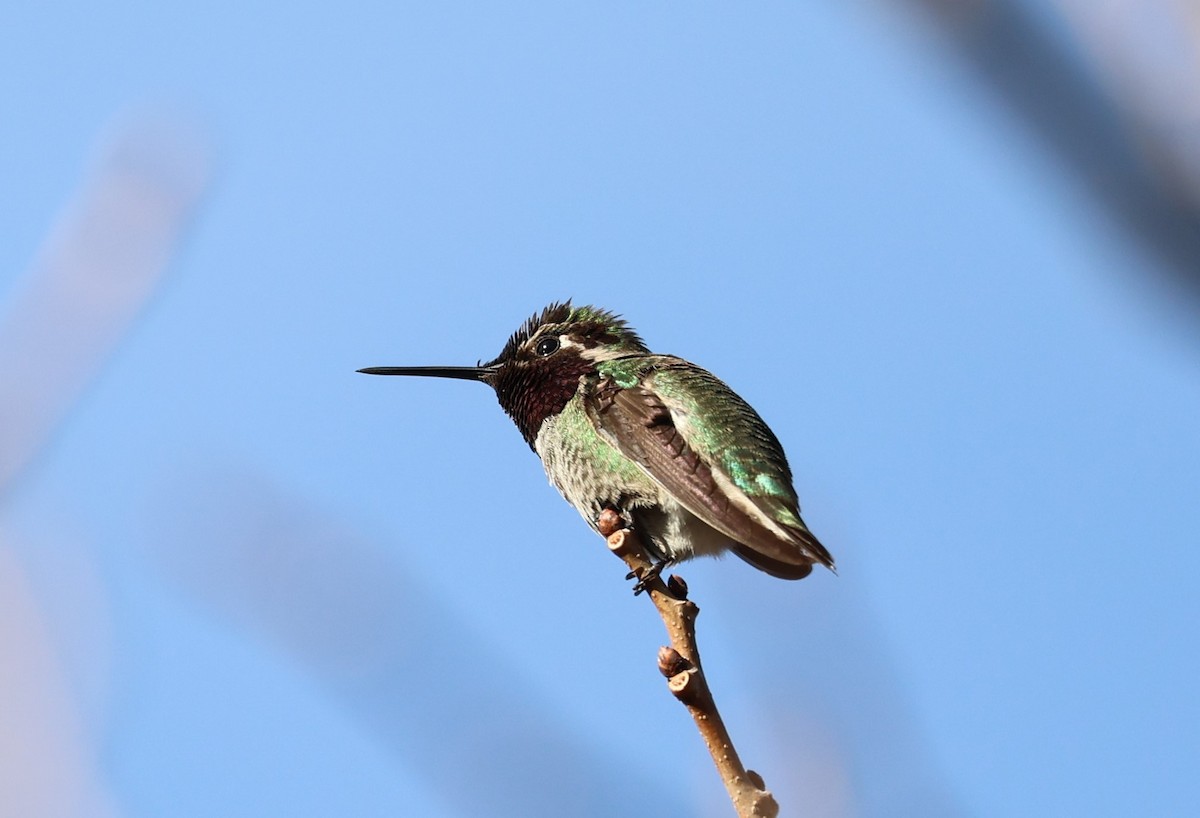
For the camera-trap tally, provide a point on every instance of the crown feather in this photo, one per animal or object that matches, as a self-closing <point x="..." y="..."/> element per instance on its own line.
<point x="589" y="320"/>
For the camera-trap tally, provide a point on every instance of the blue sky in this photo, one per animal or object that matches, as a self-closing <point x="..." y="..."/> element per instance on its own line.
<point x="309" y="592"/>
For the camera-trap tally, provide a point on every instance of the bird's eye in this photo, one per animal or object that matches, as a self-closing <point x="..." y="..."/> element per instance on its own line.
<point x="547" y="346"/>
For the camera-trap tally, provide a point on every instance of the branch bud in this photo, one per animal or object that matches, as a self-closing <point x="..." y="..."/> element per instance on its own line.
<point x="677" y="586"/>
<point x="609" y="522"/>
<point x="671" y="663"/>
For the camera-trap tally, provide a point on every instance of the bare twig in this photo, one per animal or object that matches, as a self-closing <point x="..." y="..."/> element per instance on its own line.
<point x="680" y="663"/>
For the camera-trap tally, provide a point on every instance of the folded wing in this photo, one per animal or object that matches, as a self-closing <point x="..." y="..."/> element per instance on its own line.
<point x="729" y="471"/>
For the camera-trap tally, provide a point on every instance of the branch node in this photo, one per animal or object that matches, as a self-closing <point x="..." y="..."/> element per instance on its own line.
<point x="688" y="686"/>
<point x="618" y="544"/>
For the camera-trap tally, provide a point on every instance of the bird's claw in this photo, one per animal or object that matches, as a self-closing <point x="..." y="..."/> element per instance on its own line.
<point x="647" y="577"/>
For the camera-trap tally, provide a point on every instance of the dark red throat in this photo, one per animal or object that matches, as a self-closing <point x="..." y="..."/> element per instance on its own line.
<point x="531" y="391"/>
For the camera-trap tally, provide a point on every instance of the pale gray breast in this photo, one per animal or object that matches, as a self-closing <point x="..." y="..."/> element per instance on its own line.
<point x="586" y="470"/>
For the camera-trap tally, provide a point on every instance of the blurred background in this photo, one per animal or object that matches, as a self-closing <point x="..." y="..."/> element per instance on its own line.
<point x="948" y="250"/>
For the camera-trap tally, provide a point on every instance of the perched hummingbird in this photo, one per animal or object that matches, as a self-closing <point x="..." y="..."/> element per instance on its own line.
<point x="689" y="464"/>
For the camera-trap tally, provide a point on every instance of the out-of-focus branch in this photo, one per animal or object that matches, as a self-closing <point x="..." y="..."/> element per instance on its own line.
<point x="680" y="663"/>
<point x="1147" y="53"/>
<point x="377" y="639"/>
<point x="92" y="276"/>
<point x="1034" y="74"/>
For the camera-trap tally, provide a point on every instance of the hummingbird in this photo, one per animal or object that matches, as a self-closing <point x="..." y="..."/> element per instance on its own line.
<point x="687" y="463"/>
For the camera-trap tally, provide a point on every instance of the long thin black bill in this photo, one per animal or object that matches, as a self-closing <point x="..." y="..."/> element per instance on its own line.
<point x="463" y="373"/>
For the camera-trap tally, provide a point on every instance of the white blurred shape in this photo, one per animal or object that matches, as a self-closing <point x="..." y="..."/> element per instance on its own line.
<point x="91" y="277"/>
<point x="46" y="768"/>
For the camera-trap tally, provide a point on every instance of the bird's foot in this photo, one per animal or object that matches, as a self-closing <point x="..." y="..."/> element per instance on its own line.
<point x="648" y="576"/>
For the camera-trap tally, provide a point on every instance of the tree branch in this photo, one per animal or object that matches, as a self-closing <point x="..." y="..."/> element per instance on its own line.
<point x="680" y="663"/>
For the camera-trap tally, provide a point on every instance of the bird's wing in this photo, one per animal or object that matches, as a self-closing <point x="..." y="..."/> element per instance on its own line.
<point x="735" y="478"/>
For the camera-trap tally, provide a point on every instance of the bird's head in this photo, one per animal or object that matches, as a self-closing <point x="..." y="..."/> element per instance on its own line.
<point x="538" y="371"/>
